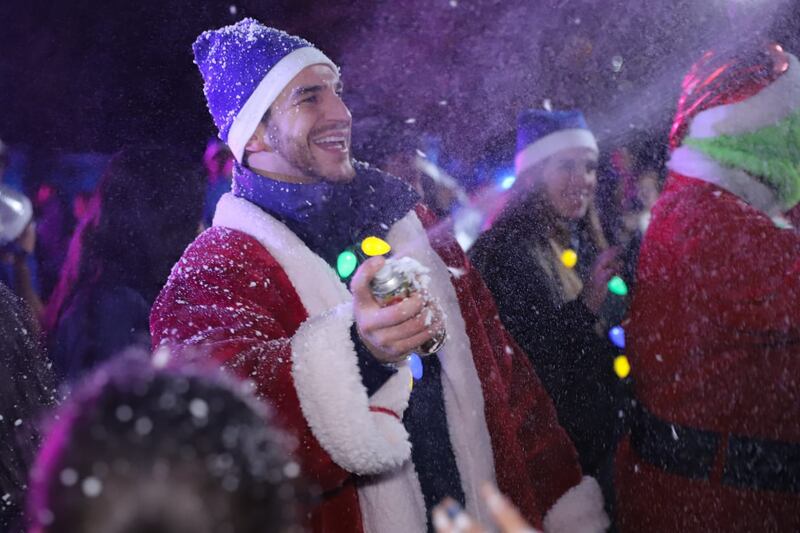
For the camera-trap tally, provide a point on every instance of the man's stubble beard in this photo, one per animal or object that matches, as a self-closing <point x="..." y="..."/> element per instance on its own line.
<point x="298" y="154"/>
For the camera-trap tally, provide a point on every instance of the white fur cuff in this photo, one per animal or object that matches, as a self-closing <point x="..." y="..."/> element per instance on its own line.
<point x="361" y="436"/>
<point x="579" y="510"/>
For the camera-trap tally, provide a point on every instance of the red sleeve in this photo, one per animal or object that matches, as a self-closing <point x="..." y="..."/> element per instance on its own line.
<point x="235" y="304"/>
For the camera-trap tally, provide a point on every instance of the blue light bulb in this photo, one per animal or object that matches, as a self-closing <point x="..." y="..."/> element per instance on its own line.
<point x="617" y="337"/>
<point x="507" y="181"/>
<point x="415" y="364"/>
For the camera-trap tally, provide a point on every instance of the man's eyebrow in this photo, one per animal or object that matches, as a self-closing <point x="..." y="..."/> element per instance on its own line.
<point x="306" y="89"/>
<point x="310" y="89"/>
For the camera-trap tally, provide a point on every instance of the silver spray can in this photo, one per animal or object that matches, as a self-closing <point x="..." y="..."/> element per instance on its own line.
<point x="392" y="285"/>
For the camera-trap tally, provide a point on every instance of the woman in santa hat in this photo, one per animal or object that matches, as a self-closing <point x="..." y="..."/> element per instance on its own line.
<point x="548" y="264"/>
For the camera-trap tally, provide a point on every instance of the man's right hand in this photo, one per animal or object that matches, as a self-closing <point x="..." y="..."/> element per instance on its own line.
<point x="390" y="333"/>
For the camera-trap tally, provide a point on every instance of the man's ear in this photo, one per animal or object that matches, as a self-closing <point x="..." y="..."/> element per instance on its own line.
<point x="257" y="141"/>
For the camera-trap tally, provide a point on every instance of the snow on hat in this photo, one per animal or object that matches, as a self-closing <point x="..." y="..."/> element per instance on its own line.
<point x="542" y="133"/>
<point x="245" y="66"/>
<point x="743" y="111"/>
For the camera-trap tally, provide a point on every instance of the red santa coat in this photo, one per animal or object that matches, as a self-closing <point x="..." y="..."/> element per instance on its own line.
<point x="267" y="308"/>
<point x="715" y="345"/>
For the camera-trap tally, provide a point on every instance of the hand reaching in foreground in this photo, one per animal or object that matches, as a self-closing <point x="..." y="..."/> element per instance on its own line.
<point x="450" y="517"/>
<point x="27" y="240"/>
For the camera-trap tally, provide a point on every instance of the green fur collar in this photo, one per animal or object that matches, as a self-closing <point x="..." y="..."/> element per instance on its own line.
<point x="770" y="154"/>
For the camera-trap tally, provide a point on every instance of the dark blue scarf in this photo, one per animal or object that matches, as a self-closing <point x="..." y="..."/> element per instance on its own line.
<point x="329" y="217"/>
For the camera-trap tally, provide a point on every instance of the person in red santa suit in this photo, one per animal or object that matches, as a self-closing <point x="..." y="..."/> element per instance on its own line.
<point x="260" y="291"/>
<point x="715" y="321"/>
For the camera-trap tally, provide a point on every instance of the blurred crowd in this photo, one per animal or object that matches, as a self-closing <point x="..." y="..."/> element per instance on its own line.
<point x="105" y="429"/>
<point x="88" y="266"/>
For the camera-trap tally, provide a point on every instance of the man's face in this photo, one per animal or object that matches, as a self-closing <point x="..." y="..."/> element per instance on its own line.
<point x="308" y="129"/>
<point x="648" y="188"/>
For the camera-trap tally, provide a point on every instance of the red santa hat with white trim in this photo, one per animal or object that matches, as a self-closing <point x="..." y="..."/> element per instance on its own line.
<point x="741" y="111"/>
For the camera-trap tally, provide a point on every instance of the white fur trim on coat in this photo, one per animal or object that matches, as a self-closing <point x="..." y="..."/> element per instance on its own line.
<point x="392" y="502"/>
<point x="357" y="431"/>
<point x="552" y="144"/>
<point x="766" y="108"/>
<point x="579" y="510"/>
<point x="314" y="280"/>
<point x="267" y="90"/>
<point x="689" y="162"/>
<point x="461" y="385"/>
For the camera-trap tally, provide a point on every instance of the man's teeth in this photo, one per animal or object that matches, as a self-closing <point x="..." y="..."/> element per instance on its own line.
<point x="331" y="139"/>
<point x="332" y="142"/>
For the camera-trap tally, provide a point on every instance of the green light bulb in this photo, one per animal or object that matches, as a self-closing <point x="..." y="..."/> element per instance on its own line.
<point x="618" y="286"/>
<point x="346" y="264"/>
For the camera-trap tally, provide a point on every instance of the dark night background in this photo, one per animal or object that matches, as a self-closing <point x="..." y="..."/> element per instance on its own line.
<point x="89" y="76"/>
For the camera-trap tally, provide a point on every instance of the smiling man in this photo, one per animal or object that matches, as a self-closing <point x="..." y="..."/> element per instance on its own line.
<point x="259" y="291"/>
<point x="305" y="136"/>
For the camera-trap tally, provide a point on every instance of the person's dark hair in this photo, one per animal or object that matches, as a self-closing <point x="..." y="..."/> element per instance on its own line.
<point x="146" y="210"/>
<point x="26" y="389"/>
<point x="650" y="154"/>
<point x="141" y="449"/>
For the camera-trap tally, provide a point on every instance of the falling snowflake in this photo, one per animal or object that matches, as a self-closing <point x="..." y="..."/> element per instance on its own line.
<point x="198" y="408"/>
<point x="92" y="487"/>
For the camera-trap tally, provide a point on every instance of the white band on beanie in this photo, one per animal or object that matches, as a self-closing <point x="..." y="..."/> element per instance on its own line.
<point x="551" y="144"/>
<point x="267" y="91"/>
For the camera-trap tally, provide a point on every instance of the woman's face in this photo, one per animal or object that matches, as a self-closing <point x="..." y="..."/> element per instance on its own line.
<point x="569" y="179"/>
